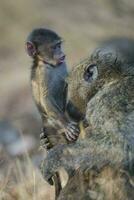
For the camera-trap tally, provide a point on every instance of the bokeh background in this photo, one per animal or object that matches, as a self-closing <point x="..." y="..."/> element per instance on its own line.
<point x="83" y="24"/>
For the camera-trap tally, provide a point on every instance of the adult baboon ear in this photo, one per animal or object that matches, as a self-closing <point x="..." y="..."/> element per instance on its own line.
<point x="91" y="73"/>
<point x="30" y="48"/>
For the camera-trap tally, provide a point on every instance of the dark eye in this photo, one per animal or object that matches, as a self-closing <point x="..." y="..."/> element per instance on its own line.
<point x="91" y="73"/>
<point x="57" y="46"/>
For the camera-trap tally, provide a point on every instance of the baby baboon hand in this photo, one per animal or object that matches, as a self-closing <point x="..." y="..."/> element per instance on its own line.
<point x="44" y="142"/>
<point x="72" y="131"/>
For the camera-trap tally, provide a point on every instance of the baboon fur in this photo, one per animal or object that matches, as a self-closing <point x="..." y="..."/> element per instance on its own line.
<point x="104" y="160"/>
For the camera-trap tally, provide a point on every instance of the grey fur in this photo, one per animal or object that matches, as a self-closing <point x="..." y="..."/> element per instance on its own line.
<point x="109" y="106"/>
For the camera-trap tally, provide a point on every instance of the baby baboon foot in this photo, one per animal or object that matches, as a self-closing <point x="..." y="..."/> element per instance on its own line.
<point x="44" y="141"/>
<point x="72" y="132"/>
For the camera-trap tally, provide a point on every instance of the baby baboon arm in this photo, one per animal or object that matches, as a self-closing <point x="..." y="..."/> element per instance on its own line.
<point x="54" y="111"/>
<point x="71" y="129"/>
<point x="73" y="112"/>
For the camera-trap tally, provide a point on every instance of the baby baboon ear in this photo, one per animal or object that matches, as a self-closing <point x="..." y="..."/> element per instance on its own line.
<point x="91" y="73"/>
<point x="30" y="48"/>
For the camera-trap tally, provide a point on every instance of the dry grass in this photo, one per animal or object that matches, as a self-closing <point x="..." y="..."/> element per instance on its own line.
<point x="22" y="181"/>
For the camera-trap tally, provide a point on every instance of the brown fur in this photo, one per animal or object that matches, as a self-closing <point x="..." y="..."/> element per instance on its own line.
<point x="48" y="81"/>
<point x="50" y="89"/>
<point x="109" y="105"/>
<point x="108" y="184"/>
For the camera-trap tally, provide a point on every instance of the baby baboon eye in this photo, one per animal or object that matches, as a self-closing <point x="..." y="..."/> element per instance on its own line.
<point x="91" y="73"/>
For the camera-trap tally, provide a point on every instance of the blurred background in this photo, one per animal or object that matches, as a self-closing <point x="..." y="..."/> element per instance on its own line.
<point x="83" y="24"/>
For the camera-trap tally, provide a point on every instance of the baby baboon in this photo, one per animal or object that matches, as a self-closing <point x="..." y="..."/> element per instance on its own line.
<point x="49" y="88"/>
<point x="48" y="82"/>
<point x="104" y="85"/>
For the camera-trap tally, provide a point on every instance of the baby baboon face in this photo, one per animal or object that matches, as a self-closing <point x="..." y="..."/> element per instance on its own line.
<point x="45" y="45"/>
<point x="52" y="52"/>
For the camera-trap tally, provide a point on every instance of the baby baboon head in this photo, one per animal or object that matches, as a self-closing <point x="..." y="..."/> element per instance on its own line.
<point x="46" y="45"/>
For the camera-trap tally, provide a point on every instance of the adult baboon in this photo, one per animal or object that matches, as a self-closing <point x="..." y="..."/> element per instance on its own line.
<point x="104" y="85"/>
